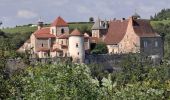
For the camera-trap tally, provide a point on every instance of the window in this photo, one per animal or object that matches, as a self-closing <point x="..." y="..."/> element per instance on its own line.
<point x="77" y="53"/>
<point x="145" y="44"/>
<point x="62" y="30"/>
<point x="61" y="42"/>
<point x="42" y="45"/>
<point x="52" y="31"/>
<point x="77" y="45"/>
<point x="156" y="43"/>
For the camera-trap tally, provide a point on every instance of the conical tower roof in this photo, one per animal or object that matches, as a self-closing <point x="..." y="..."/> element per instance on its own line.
<point x="76" y="32"/>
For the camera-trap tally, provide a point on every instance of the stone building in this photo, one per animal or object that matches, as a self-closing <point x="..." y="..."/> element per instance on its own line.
<point x="57" y="41"/>
<point x="99" y="29"/>
<point x="133" y="35"/>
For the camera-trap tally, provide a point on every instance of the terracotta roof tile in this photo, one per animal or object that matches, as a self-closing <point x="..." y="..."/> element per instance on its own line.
<point x="63" y="36"/>
<point x="43" y="33"/>
<point x="57" y="50"/>
<point x="59" y="22"/>
<point x="95" y="40"/>
<point x="143" y="28"/>
<point x="76" y="32"/>
<point x="43" y="49"/>
<point x="116" y="31"/>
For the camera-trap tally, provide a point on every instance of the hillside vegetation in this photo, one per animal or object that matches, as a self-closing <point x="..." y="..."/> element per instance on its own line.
<point x="82" y="26"/>
<point x="161" y="23"/>
<point x="164" y="14"/>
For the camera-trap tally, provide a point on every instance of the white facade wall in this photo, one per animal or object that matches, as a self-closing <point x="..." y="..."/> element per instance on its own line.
<point x="66" y="30"/>
<point x="95" y="33"/>
<point x="58" y="30"/>
<point x="33" y="42"/>
<point x="77" y="52"/>
<point x="113" y="49"/>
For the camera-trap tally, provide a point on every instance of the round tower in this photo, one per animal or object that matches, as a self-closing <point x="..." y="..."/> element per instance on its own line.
<point x="76" y="46"/>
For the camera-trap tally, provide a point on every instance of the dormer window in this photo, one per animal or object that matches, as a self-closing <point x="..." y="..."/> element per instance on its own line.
<point x="62" y="30"/>
<point x="42" y="45"/>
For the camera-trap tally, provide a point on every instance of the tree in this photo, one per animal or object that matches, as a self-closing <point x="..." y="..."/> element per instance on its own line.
<point x="100" y="48"/>
<point x="61" y="81"/>
<point x="91" y="19"/>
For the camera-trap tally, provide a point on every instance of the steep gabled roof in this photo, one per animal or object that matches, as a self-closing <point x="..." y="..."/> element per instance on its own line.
<point x="116" y="31"/>
<point x="59" y="22"/>
<point x="43" y="33"/>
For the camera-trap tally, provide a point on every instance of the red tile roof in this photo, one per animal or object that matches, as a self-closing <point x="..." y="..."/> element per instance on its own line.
<point x="76" y="32"/>
<point x="43" y="49"/>
<point x="116" y="31"/>
<point x="64" y="46"/>
<point x="59" y="22"/>
<point x="95" y="40"/>
<point x="44" y="33"/>
<point x="63" y="36"/>
<point x="143" y="28"/>
<point x="57" y="50"/>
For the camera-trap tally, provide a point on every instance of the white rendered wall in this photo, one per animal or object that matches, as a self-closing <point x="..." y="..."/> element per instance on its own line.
<point x="77" y="52"/>
<point x="57" y="30"/>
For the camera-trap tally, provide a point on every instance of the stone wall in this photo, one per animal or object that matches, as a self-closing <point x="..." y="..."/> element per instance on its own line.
<point x="13" y="65"/>
<point x="153" y="46"/>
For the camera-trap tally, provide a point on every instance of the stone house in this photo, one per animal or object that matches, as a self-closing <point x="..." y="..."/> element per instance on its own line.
<point x="133" y="35"/>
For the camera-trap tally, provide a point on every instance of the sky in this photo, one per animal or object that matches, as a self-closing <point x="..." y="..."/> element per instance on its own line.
<point x="21" y="12"/>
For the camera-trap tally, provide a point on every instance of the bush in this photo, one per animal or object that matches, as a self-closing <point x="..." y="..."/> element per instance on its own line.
<point x="100" y="48"/>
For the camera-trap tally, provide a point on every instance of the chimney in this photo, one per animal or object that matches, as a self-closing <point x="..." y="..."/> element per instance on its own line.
<point x="123" y="18"/>
<point x="40" y="25"/>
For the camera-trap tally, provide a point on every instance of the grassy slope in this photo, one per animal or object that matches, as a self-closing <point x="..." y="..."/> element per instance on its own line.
<point x="26" y="29"/>
<point x="153" y="23"/>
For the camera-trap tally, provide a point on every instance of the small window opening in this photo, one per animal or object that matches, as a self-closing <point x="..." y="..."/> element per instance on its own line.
<point x="145" y="44"/>
<point x="156" y="43"/>
<point x="62" y="30"/>
<point x="76" y="45"/>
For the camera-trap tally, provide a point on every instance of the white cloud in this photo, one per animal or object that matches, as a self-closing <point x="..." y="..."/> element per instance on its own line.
<point x="26" y="14"/>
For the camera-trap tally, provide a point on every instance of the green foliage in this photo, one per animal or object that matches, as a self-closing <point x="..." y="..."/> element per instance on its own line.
<point x="83" y="27"/>
<point x="20" y="29"/>
<point x="164" y="14"/>
<point x="100" y="48"/>
<point x="91" y="19"/>
<point x="74" y="82"/>
<point x="164" y="28"/>
<point x="60" y="81"/>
